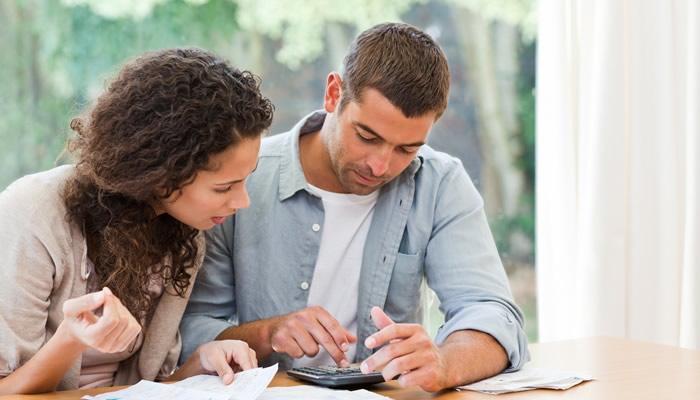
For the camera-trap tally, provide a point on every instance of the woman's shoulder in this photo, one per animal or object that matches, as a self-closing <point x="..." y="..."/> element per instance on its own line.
<point x="34" y="203"/>
<point x="38" y="190"/>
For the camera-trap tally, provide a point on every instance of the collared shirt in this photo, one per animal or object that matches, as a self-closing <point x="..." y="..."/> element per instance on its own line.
<point x="428" y="223"/>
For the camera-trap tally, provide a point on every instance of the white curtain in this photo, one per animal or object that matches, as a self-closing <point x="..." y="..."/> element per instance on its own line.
<point x="618" y="176"/>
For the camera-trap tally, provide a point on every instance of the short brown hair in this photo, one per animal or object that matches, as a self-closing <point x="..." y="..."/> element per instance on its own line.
<point x="402" y="63"/>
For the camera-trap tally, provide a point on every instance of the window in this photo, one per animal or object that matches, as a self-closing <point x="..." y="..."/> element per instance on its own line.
<point x="57" y="54"/>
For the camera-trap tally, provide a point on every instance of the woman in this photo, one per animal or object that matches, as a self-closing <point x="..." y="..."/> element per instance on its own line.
<point x="97" y="259"/>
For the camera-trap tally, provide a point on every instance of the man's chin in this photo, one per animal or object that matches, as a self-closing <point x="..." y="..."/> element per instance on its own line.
<point x="352" y="184"/>
<point x="362" y="190"/>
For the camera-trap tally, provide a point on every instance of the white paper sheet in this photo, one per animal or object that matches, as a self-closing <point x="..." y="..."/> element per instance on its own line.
<point x="147" y="390"/>
<point x="529" y="378"/>
<point x="246" y="385"/>
<point x="317" y="393"/>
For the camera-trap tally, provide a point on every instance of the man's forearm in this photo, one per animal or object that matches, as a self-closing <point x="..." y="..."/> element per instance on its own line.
<point x="472" y="356"/>
<point x="256" y="334"/>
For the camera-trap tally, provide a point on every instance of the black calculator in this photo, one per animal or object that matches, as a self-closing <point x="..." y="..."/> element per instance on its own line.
<point x="331" y="376"/>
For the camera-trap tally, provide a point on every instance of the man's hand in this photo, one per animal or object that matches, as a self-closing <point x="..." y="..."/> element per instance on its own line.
<point x="301" y="332"/>
<point x="409" y="352"/>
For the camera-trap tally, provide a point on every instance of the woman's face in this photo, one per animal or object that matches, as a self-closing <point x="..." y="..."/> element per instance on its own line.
<point x="216" y="193"/>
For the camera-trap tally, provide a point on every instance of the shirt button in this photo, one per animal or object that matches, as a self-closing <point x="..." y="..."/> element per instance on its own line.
<point x="315" y="227"/>
<point x="304" y="285"/>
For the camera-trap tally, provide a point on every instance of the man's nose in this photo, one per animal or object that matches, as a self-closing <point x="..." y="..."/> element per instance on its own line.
<point x="379" y="162"/>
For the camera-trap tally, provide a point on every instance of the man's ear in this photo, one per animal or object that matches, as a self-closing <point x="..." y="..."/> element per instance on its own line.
<point x="334" y="87"/>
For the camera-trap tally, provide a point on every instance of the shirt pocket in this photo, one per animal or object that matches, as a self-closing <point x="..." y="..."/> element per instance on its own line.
<point x="404" y="297"/>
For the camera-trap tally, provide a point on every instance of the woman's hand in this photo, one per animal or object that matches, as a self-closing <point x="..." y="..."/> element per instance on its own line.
<point x="227" y="356"/>
<point x="221" y="357"/>
<point x="112" y="332"/>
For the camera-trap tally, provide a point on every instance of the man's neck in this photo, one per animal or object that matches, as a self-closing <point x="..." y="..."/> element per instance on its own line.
<point x="316" y="163"/>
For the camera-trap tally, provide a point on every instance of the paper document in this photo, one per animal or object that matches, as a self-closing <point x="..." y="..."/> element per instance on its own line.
<point x="147" y="390"/>
<point x="246" y="385"/>
<point x="317" y="393"/>
<point x="528" y="379"/>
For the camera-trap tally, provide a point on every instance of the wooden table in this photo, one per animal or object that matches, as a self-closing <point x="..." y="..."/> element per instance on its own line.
<point x="624" y="369"/>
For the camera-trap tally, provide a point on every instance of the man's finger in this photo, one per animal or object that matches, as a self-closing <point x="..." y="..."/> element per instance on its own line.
<point x="387" y="354"/>
<point x="305" y="341"/>
<point x="329" y="342"/>
<point x="286" y="344"/>
<point x="402" y="365"/>
<point x="379" y="317"/>
<point x="391" y="333"/>
<point x="336" y="339"/>
<point x="341" y="336"/>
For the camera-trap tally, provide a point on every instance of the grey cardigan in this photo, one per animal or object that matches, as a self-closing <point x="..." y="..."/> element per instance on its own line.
<point x="43" y="264"/>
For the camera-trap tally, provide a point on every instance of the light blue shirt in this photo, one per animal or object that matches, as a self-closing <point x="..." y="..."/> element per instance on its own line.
<point x="429" y="223"/>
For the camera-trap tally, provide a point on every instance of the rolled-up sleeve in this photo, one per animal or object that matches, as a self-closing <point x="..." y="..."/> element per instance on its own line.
<point x="464" y="269"/>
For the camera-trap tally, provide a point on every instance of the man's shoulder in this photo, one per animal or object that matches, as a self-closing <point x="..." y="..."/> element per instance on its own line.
<point x="437" y="162"/>
<point x="276" y="145"/>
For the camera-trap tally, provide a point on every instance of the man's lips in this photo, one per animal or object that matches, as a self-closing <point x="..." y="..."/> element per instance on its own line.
<point x="366" y="180"/>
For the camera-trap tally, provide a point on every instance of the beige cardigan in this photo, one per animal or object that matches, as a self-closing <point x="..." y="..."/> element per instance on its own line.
<point x="43" y="264"/>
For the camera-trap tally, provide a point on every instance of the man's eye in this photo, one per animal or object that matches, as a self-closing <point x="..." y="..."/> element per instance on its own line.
<point x="409" y="150"/>
<point x="365" y="139"/>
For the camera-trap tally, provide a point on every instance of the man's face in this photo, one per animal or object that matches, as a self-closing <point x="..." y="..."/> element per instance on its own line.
<point x="371" y="142"/>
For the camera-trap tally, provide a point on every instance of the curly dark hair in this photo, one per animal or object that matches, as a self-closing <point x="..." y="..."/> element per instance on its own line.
<point x="159" y="122"/>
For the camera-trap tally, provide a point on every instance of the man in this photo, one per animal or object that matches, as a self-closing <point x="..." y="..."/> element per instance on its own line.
<point x="350" y="210"/>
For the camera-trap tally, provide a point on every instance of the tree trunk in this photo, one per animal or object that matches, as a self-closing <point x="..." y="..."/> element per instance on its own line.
<point x="502" y="181"/>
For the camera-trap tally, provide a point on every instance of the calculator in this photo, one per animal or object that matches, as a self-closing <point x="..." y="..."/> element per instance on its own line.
<point x="332" y="376"/>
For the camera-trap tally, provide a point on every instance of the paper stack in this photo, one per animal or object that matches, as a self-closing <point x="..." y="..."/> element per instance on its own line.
<point x="308" y="392"/>
<point x="528" y="379"/>
<point x="246" y="385"/>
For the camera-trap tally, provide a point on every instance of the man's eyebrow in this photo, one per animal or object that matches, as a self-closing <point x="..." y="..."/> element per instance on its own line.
<point x="373" y="132"/>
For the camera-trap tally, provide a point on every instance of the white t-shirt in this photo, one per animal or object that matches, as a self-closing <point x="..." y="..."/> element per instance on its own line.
<point x="336" y="279"/>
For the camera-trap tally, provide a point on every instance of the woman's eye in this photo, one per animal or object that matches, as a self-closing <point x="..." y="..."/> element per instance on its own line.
<point x="223" y="190"/>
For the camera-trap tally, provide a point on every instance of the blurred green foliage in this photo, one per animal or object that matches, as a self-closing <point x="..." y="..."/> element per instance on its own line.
<point x="56" y="55"/>
<point x="55" y="58"/>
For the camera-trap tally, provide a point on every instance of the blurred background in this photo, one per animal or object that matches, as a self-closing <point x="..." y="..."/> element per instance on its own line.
<point x="57" y="54"/>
